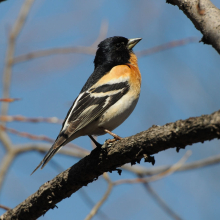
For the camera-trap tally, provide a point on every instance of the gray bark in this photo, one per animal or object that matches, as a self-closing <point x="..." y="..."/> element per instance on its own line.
<point x="206" y="18"/>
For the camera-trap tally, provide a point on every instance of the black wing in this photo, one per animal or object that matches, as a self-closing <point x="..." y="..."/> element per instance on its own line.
<point x="86" y="108"/>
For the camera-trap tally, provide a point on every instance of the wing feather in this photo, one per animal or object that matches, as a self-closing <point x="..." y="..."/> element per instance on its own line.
<point x="92" y="105"/>
<point x="92" y="102"/>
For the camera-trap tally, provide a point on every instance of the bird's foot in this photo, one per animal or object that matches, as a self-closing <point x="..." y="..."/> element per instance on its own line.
<point x="110" y="141"/>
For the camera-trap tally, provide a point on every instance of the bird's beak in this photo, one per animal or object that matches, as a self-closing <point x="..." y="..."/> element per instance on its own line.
<point x="132" y="42"/>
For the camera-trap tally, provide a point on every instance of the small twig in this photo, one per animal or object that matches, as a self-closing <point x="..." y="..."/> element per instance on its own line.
<point x="54" y="51"/>
<point x="102" y="33"/>
<point x="21" y="118"/>
<point x="40" y="147"/>
<point x="66" y="50"/>
<point x="34" y="137"/>
<point x="91" y="203"/>
<point x="161" y="202"/>
<point x="100" y="203"/>
<point x="92" y="50"/>
<point x="190" y="166"/>
<point x="4" y="207"/>
<point x="9" y="100"/>
<point x="27" y="135"/>
<point x="167" y="46"/>
<point x="156" y="177"/>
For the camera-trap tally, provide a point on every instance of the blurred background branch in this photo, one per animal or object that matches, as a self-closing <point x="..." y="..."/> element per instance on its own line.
<point x="14" y="33"/>
<point x="20" y="41"/>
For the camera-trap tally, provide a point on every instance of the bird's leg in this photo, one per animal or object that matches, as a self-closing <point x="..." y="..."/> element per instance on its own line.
<point x="116" y="137"/>
<point x="112" y="134"/>
<point x="98" y="145"/>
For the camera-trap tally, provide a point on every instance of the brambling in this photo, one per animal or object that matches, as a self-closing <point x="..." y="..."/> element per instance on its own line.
<point x="108" y="97"/>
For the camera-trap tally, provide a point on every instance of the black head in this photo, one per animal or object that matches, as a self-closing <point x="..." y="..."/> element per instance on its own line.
<point x="115" y="50"/>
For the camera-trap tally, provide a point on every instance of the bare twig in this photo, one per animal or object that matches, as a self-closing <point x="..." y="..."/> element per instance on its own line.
<point x="161" y="202"/>
<point x="91" y="203"/>
<point x="190" y="166"/>
<point x="66" y="50"/>
<point x="4" y="207"/>
<point x="27" y="135"/>
<point x="104" y="198"/>
<point x="9" y="100"/>
<point x="54" y="51"/>
<point x="156" y="177"/>
<point x="102" y="33"/>
<point x="21" y="118"/>
<point x="74" y="152"/>
<point x="34" y="137"/>
<point x="167" y="46"/>
<point x="91" y="50"/>
<point x="16" y="29"/>
<point x="98" y="205"/>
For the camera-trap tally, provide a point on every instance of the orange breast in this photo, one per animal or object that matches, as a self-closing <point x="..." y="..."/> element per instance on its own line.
<point x="135" y="75"/>
<point x="119" y="73"/>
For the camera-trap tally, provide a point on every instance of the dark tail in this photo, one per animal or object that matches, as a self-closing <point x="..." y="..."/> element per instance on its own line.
<point x="48" y="156"/>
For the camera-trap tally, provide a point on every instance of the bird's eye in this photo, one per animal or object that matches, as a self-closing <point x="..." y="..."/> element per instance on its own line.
<point x="118" y="45"/>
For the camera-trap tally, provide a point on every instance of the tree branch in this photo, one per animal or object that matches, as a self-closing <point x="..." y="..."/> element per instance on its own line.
<point x="206" y="18"/>
<point x="161" y="202"/>
<point x="158" y="138"/>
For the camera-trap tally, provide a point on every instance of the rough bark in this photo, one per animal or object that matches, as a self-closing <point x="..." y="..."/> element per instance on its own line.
<point x="206" y="18"/>
<point x="158" y="138"/>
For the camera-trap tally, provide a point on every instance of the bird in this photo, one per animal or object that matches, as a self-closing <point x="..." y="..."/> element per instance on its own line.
<point x="108" y="97"/>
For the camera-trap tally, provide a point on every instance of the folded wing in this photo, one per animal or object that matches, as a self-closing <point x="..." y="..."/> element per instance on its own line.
<point x="89" y="106"/>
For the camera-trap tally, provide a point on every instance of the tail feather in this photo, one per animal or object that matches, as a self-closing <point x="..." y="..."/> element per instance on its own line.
<point x="47" y="157"/>
<point x="37" y="167"/>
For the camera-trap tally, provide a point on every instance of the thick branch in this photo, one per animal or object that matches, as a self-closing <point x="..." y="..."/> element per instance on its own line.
<point x="206" y="18"/>
<point x="152" y="141"/>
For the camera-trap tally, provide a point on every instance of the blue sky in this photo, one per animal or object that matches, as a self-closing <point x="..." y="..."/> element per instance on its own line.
<point x="176" y="84"/>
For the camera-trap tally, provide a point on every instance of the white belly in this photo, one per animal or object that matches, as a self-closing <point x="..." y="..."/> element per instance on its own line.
<point x="113" y="117"/>
<point x="118" y="113"/>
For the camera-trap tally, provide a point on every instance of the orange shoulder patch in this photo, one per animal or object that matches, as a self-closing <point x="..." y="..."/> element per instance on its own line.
<point x="116" y="73"/>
